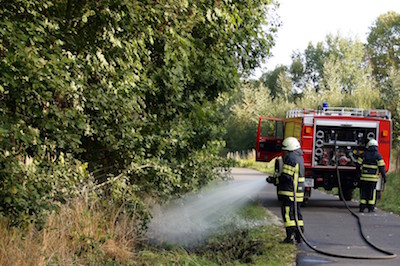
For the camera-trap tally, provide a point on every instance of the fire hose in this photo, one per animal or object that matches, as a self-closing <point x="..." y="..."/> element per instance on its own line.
<point x="389" y="255"/>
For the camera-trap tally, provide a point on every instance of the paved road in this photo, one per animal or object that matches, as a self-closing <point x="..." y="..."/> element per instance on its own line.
<point x="330" y="227"/>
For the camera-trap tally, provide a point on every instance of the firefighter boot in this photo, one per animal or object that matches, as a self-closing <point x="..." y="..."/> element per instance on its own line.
<point x="290" y="233"/>
<point x="298" y="235"/>
<point x="362" y="207"/>
<point x="371" y="209"/>
<point x="288" y="240"/>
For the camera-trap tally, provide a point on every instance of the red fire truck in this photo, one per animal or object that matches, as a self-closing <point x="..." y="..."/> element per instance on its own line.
<point x="332" y="138"/>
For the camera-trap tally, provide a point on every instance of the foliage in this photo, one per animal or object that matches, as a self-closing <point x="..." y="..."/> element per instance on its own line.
<point x="391" y="98"/>
<point x="336" y="64"/>
<point x="239" y="246"/>
<point x="390" y="200"/>
<point x="350" y="55"/>
<point x="383" y="51"/>
<point x="242" y="117"/>
<point x="346" y="80"/>
<point x="383" y="45"/>
<point x="125" y="90"/>
<point x="271" y="81"/>
<point x="249" y="161"/>
<point x="307" y="67"/>
<point x="37" y="186"/>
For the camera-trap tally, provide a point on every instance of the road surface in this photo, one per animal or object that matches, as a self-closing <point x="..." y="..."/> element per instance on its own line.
<point x="330" y="226"/>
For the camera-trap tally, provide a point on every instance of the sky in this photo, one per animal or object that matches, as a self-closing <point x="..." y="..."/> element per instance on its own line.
<point x="312" y="20"/>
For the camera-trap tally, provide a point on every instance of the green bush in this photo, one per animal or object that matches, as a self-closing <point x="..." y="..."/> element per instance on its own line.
<point x="36" y="186"/>
<point x="124" y="90"/>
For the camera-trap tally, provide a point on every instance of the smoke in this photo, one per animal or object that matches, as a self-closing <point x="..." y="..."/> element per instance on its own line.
<point x="190" y="220"/>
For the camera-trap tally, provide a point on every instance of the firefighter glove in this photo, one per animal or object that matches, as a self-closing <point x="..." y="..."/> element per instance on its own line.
<point x="271" y="180"/>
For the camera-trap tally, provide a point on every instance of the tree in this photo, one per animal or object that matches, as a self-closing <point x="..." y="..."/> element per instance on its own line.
<point x="253" y="101"/>
<point x="346" y="77"/>
<point x="391" y="99"/>
<point x="125" y="90"/>
<point x="354" y="71"/>
<point x="307" y="67"/>
<point x="270" y="80"/>
<point x="383" y="45"/>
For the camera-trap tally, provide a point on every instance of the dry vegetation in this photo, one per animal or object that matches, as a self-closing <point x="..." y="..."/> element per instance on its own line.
<point x="80" y="234"/>
<point x="84" y="234"/>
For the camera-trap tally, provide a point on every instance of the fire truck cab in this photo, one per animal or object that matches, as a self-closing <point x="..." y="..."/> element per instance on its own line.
<point x="331" y="138"/>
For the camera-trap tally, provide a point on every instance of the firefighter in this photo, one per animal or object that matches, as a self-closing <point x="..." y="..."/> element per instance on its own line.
<point x="371" y="164"/>
<point x="291" y="181"/>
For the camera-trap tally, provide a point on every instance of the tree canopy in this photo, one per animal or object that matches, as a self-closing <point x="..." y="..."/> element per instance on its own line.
<point x="334" y="71"/>
<point x="120" y="91"/>
<point x="383" y="45"/>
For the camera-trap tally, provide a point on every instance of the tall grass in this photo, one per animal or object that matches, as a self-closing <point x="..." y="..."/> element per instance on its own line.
<point x="390" y="197"/>
<point x="79" y="234"/>
<point x="85" y="234"/>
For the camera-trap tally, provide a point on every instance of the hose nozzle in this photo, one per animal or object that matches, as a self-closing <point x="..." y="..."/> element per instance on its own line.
<point x="271" y="179"/>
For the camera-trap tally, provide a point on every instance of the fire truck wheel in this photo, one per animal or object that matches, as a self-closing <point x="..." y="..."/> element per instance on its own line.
<point x="305" y="202"/>
<point x="307" y="195"/>
<point x="347" y="194"/>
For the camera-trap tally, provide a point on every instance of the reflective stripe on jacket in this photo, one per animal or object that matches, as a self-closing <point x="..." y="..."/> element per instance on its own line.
<point x="292" y="177"/>
<point x="372" y="164"/>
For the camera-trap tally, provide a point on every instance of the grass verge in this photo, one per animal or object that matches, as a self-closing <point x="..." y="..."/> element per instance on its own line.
<point x="79" y="234"/>
<point x="390" y="197"/>
<point x="248" y="161"/>
<point x="83" y="235"/>
<point x="257" y="243"/>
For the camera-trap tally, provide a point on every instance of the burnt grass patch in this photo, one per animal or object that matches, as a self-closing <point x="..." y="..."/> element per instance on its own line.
<point x="239" y="245"/>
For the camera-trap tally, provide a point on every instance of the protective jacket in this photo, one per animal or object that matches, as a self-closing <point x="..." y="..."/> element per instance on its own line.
<point x="372" y="164"/>
<point x="292" y="178"/>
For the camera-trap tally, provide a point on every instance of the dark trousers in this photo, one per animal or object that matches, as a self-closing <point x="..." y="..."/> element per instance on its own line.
<point x="367" y="195"/>
<point x="288" y="216"/>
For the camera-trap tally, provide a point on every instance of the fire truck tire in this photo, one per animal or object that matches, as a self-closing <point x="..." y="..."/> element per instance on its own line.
<point x="307" y="195"/>
<point x="347" y="194"/>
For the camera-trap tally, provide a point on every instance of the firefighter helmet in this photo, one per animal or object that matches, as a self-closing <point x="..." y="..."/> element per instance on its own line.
<point x="372" y="142"/>
<point x="290" y="144"/>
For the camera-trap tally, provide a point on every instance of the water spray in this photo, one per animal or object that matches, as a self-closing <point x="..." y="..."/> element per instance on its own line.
<point x="191" y="219"/>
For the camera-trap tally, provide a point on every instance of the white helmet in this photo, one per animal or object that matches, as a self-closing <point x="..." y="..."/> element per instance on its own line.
<point x="372" y="142"/>
<point x="290" y="144"/>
